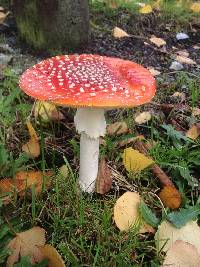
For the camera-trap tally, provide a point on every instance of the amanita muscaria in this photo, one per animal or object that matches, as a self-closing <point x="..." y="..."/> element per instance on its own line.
<point x="92" y="84"/>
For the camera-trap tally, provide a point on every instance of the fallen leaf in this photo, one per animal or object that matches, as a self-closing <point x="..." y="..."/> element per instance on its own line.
<point x="119" y="33"/>
<point x="194" y="132"/>
<point x="179" y="95"/>
<point x="146" y="9"/>
<point x="3" y="16"/>
<point x="195" y="7"/>
<point x="126" y="213"/>
<point x="167" y="234"/>
<point x="130" y="140"/>
<point x="52" y="255"/>
<point x="154" y="72"/>
<point x="183" y="53"/>
<point x="117" y="128"/>
<point x="143" y="117"/>
<point x="104" y="178"/>
<point x="157" y="41"/>
<point x="196" y="111"/>
<point x="134" y="161"/>
<point x="182" y="254"/>
<point x="185" y="60"/>
<point x="170" y="197"/>
<point x="23" y="181"/>
<point x="47" y="112"/>
<point x="32" y="147"/>
<point x="25" y="244"/>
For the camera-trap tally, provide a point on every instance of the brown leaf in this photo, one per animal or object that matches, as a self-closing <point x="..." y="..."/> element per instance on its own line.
<point x="117" y="128"/>
<point x="196" y="111"/>
<point x="130" y="140"/>
<point x="3" y="16"/>
<point x="143" y="117"/>
<point x="194" y="132"/>
<point x="52" y="255"/>
<point x="32" y="147"/>
<point x="104" y="178"/>
<point x="23" y="181"/>
<point x="157" y="41"/>
<point x="119" y="33"/>
<point x="25" y="244"/>
<point x="170" y="197"/>
<point x="153" y="71"/>
<point x="185" y="60"/>
<point x="182" y="254"/>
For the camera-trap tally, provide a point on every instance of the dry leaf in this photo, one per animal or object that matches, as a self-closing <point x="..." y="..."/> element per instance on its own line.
<point x="157" y="41"/>
<point x="195" y="7"/>
<point x="134" y="161"/>
<point x="170" y="197"/>
<point x="3" y="16"/>
<point x="32" y="147"/>
<point x="23" y="181"/>
<point x="194" y="132"/>
<point x="126" y="213"/>
<point x="25" y="244"/>
<point x="47" y="111"/>
<point x="130" y="140"/>
<point x="185" y="60"/>
<point x="117" y="128"/>
<point x="182" y="254"/>
<point x="143" y="117"/>
<point x="52" y="255"/>
<point x="167" y="234"/>
<point x="146" y="9"/>
<point x="119" y="33"/>
<point x="196" y="112"/>
<point x="104" y="178"/>
<point x="153" y="71"/>
<point x="183" y="53"/>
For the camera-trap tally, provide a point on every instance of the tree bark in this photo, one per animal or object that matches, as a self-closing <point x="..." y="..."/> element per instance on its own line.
<point x="53" y="24"/>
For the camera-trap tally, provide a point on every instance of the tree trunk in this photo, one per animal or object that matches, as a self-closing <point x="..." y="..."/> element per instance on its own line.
<point x="53" y="24"/>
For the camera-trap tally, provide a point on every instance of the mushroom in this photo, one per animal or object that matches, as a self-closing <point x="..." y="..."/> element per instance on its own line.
<point x="92" y="84"/>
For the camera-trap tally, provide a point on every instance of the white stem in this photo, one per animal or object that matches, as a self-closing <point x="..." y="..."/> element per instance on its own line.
<point x="89" y="159"/>
<point x="91" y="124"/>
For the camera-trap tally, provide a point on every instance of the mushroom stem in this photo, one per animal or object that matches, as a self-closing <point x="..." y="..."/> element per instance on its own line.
<point x="91" y="124"/>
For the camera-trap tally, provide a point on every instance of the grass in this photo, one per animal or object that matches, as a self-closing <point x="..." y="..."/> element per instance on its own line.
<point x="81" y="226"/>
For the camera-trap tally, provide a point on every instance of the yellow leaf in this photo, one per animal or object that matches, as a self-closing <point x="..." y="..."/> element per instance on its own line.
<point x="195" y="7"/>
<point x="119" y="33"/>
<point x="47" y="111"/>
<point x="126" y="213"/>
<point x="25" y="244"/>
<point x="134" y="161"/>
<point x="32" y="132"/>
<point x="32" y="147"/>
<point x="194" y="132"/>
<point x="52" y="255"/>
<point x="146" y="9"/>
<point x="157" y="41"/>
<point x="182" y="254"/>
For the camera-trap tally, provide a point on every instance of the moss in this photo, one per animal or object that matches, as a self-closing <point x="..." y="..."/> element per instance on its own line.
<point x="30" y="27"/>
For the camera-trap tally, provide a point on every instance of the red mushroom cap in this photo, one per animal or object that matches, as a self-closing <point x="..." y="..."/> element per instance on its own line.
<point x="89" y="81"/>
